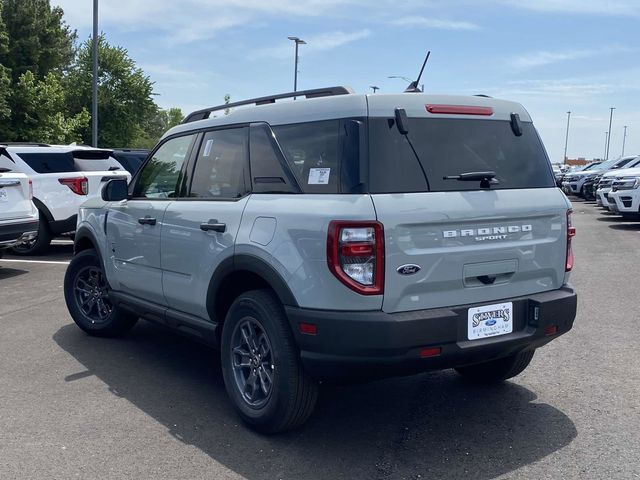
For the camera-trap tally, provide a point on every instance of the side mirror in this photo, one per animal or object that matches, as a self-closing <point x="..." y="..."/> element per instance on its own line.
<point x="115" y="190"/>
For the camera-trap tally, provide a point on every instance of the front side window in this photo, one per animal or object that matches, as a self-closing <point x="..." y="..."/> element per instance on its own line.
<point x="161" y="176"/>
<point x="222" y="166"/>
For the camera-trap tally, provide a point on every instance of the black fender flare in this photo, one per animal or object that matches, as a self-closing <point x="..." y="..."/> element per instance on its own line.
<point x="43" y="209"/>
<point x="252" y="264"/>
<point x="84" y="233"/>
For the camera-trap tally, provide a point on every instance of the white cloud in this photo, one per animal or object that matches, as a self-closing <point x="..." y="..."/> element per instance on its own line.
<point x="609" y="7"/>
<point x="435" y="23"/>
<point x="542" y="58"/>
<point x="315" y="43"/>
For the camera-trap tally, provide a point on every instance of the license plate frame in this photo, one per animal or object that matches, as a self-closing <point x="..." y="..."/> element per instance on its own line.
<point x="488" y="321"/>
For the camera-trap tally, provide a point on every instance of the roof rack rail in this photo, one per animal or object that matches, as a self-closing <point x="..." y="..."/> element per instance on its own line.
<point x="25" y="144"/>
<point x="314" y="93"/>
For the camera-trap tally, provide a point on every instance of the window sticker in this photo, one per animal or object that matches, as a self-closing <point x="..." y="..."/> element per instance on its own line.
<point x="207" y="148"/>
<point x="319" y="176"/>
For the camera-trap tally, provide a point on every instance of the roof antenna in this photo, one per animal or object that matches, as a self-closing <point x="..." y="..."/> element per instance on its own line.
<point x="413" y="86"/>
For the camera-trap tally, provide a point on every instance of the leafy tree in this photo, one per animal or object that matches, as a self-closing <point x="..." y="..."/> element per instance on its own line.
<point x="5" y="78"/>
<point x="156" y="125"/>
<point x="125" y="93"/>
<point x="41" y="117"/>
<point x="37" y="39"/>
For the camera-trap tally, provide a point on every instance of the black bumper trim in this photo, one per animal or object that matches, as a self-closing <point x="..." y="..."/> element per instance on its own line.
<point x="14" y="231"/>
<point x="67" y="225"/>
<point x="377" y="344"/>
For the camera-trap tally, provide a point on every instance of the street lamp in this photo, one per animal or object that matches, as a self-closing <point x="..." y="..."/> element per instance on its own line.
<point x="624" y="140"/>
<point x="566" y="138"/>
<point x="609" y="134"/>
<point x="374" y="88"/>
<point x="94" y="82"/>
<point x="606" y="142"/>
<point x="297" y="41"/>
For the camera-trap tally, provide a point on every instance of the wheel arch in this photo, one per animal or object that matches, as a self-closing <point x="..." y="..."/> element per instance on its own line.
<point x="85" y="240"/>
<point x="239" y="274"/>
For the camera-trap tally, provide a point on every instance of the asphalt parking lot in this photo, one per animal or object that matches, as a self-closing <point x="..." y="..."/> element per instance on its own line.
<point x="153" y="405"/>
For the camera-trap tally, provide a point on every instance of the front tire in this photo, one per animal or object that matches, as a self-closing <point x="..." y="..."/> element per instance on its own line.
<point x="38" y="245"/>
<point x="498" y="370"/>
<point x="86" y="292"/>
<point x="261" y="365"/>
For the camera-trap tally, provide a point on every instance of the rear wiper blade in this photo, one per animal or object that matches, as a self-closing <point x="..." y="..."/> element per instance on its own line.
<point x="486" y="179"/>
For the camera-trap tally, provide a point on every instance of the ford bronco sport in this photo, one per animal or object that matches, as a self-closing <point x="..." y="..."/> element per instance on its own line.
<point x="339" y="237"/>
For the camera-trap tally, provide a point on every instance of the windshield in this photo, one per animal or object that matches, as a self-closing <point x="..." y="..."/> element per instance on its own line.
<point x="449" y="147"/>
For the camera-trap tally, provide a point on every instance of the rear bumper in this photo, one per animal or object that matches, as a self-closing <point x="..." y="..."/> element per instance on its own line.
<point x="14" y="233"/>
<point x="374" y="344"/>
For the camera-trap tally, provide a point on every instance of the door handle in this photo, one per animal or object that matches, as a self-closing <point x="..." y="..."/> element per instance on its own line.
<point x="147" y="221"/>
<point x="213" y="225"/>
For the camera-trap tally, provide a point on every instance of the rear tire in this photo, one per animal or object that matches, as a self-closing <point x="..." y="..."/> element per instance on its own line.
<point x="86" y="292"/>
<point x="38" y="245"/>
<point x="261" y="365"/>
<point x="498" y="370"/>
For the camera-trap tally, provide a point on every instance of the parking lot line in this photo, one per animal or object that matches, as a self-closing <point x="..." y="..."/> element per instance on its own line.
<point x="46" y="262"/>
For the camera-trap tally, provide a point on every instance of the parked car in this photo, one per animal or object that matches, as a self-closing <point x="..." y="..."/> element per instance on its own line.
<point x="18" y="215"/>
<point x="603" y="187"/>
<point x="130" y="159"/>
<point x="63" y="178"/>
<point x="574" y="183"/>
<point x="343" y="237"/>
<point x="624" y="197"/>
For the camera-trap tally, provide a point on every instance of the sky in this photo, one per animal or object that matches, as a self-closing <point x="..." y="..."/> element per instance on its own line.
<point x="552" y="56"/>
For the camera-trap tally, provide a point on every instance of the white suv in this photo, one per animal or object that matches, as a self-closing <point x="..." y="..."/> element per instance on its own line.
<point x="606" y="181"/>
<point x="18" y="216"/>
<point x="624" y="197"/>
<point x="63" y="178"/>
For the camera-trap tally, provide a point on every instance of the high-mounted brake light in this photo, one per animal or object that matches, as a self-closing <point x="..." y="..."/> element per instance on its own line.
<point x="571" y="232"/>
<point x="30" y="189"/>
<point x="78" y="185"/>
<point x="459" y="109"/>
<point x="355" y="255"/>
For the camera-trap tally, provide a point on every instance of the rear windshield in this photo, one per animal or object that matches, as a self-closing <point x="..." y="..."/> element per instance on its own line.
<point x="49" y="162"/>
<point x="448" y="147"/>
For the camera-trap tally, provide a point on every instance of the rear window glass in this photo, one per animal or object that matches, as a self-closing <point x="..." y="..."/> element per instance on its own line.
<point x="313" y="151"/>
<point x="49" y="162"/>
<point x="447" y="147"/>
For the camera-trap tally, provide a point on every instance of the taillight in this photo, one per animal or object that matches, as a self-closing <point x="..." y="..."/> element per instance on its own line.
<point x="571" y="232"/>
<point x="78" y="185"/>
<point x="355" y="254"/>
<point x="30" y="189"/>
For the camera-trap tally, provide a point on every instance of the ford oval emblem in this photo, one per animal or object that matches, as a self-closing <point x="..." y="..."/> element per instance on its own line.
<point x="409" y="269"/>
<point x="490" y="323"/>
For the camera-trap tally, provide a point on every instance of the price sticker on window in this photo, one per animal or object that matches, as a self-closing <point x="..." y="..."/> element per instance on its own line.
<point x="319" y="176"/>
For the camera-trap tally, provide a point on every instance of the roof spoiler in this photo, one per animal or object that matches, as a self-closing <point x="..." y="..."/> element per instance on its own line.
<point x="315" y="93"/>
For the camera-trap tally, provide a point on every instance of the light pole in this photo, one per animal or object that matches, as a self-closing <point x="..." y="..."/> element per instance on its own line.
<point x="566" y="138"/>
<point x="297" y="41"/>
<point x="624" y="139"/>
<point x="606" y="142"/>
<point x="374" y="88"/>
<point x="94" y="86"/>
<point x="609" y="134"/>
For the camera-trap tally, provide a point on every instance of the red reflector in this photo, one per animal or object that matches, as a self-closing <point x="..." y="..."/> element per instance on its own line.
<point x="430" y="352"/>
<point x="571" y="232"/>
<point x="551" y="330"/>
<point x="459" y="109"/>
<point x="357" y="250"/>
<point x="308" y="328"/>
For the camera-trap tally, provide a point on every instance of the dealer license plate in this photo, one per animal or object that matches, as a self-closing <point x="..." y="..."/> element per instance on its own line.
<point x="490" y="320"/>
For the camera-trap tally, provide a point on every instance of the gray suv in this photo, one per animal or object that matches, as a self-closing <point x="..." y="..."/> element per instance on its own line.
<point x="339" y="237"/>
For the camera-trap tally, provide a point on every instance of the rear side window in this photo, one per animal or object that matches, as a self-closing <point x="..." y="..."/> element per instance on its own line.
<point x="313" y="151"/>
<point x="447" y="147"/>
<point x="222" y="166"/>
<point x="50" y="162"/>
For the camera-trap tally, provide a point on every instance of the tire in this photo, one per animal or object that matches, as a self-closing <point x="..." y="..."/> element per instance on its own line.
<point x="96" y="315"/>
<point x="257" y="318"/>
<point x="38" y="245"/>
<point x="497" y="371"/>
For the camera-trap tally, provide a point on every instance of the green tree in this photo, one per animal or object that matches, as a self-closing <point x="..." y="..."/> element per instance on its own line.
<point x="5" y="76"/>
<point x="156" y="125"/>
<point x="41" y="117"/>
<point x="38" y="40"/>
<point x="125" y="94"/>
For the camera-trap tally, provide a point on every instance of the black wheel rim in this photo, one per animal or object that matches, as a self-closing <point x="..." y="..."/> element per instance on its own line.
<point x="252" y="362"/>
<point x="91" y="291"/>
